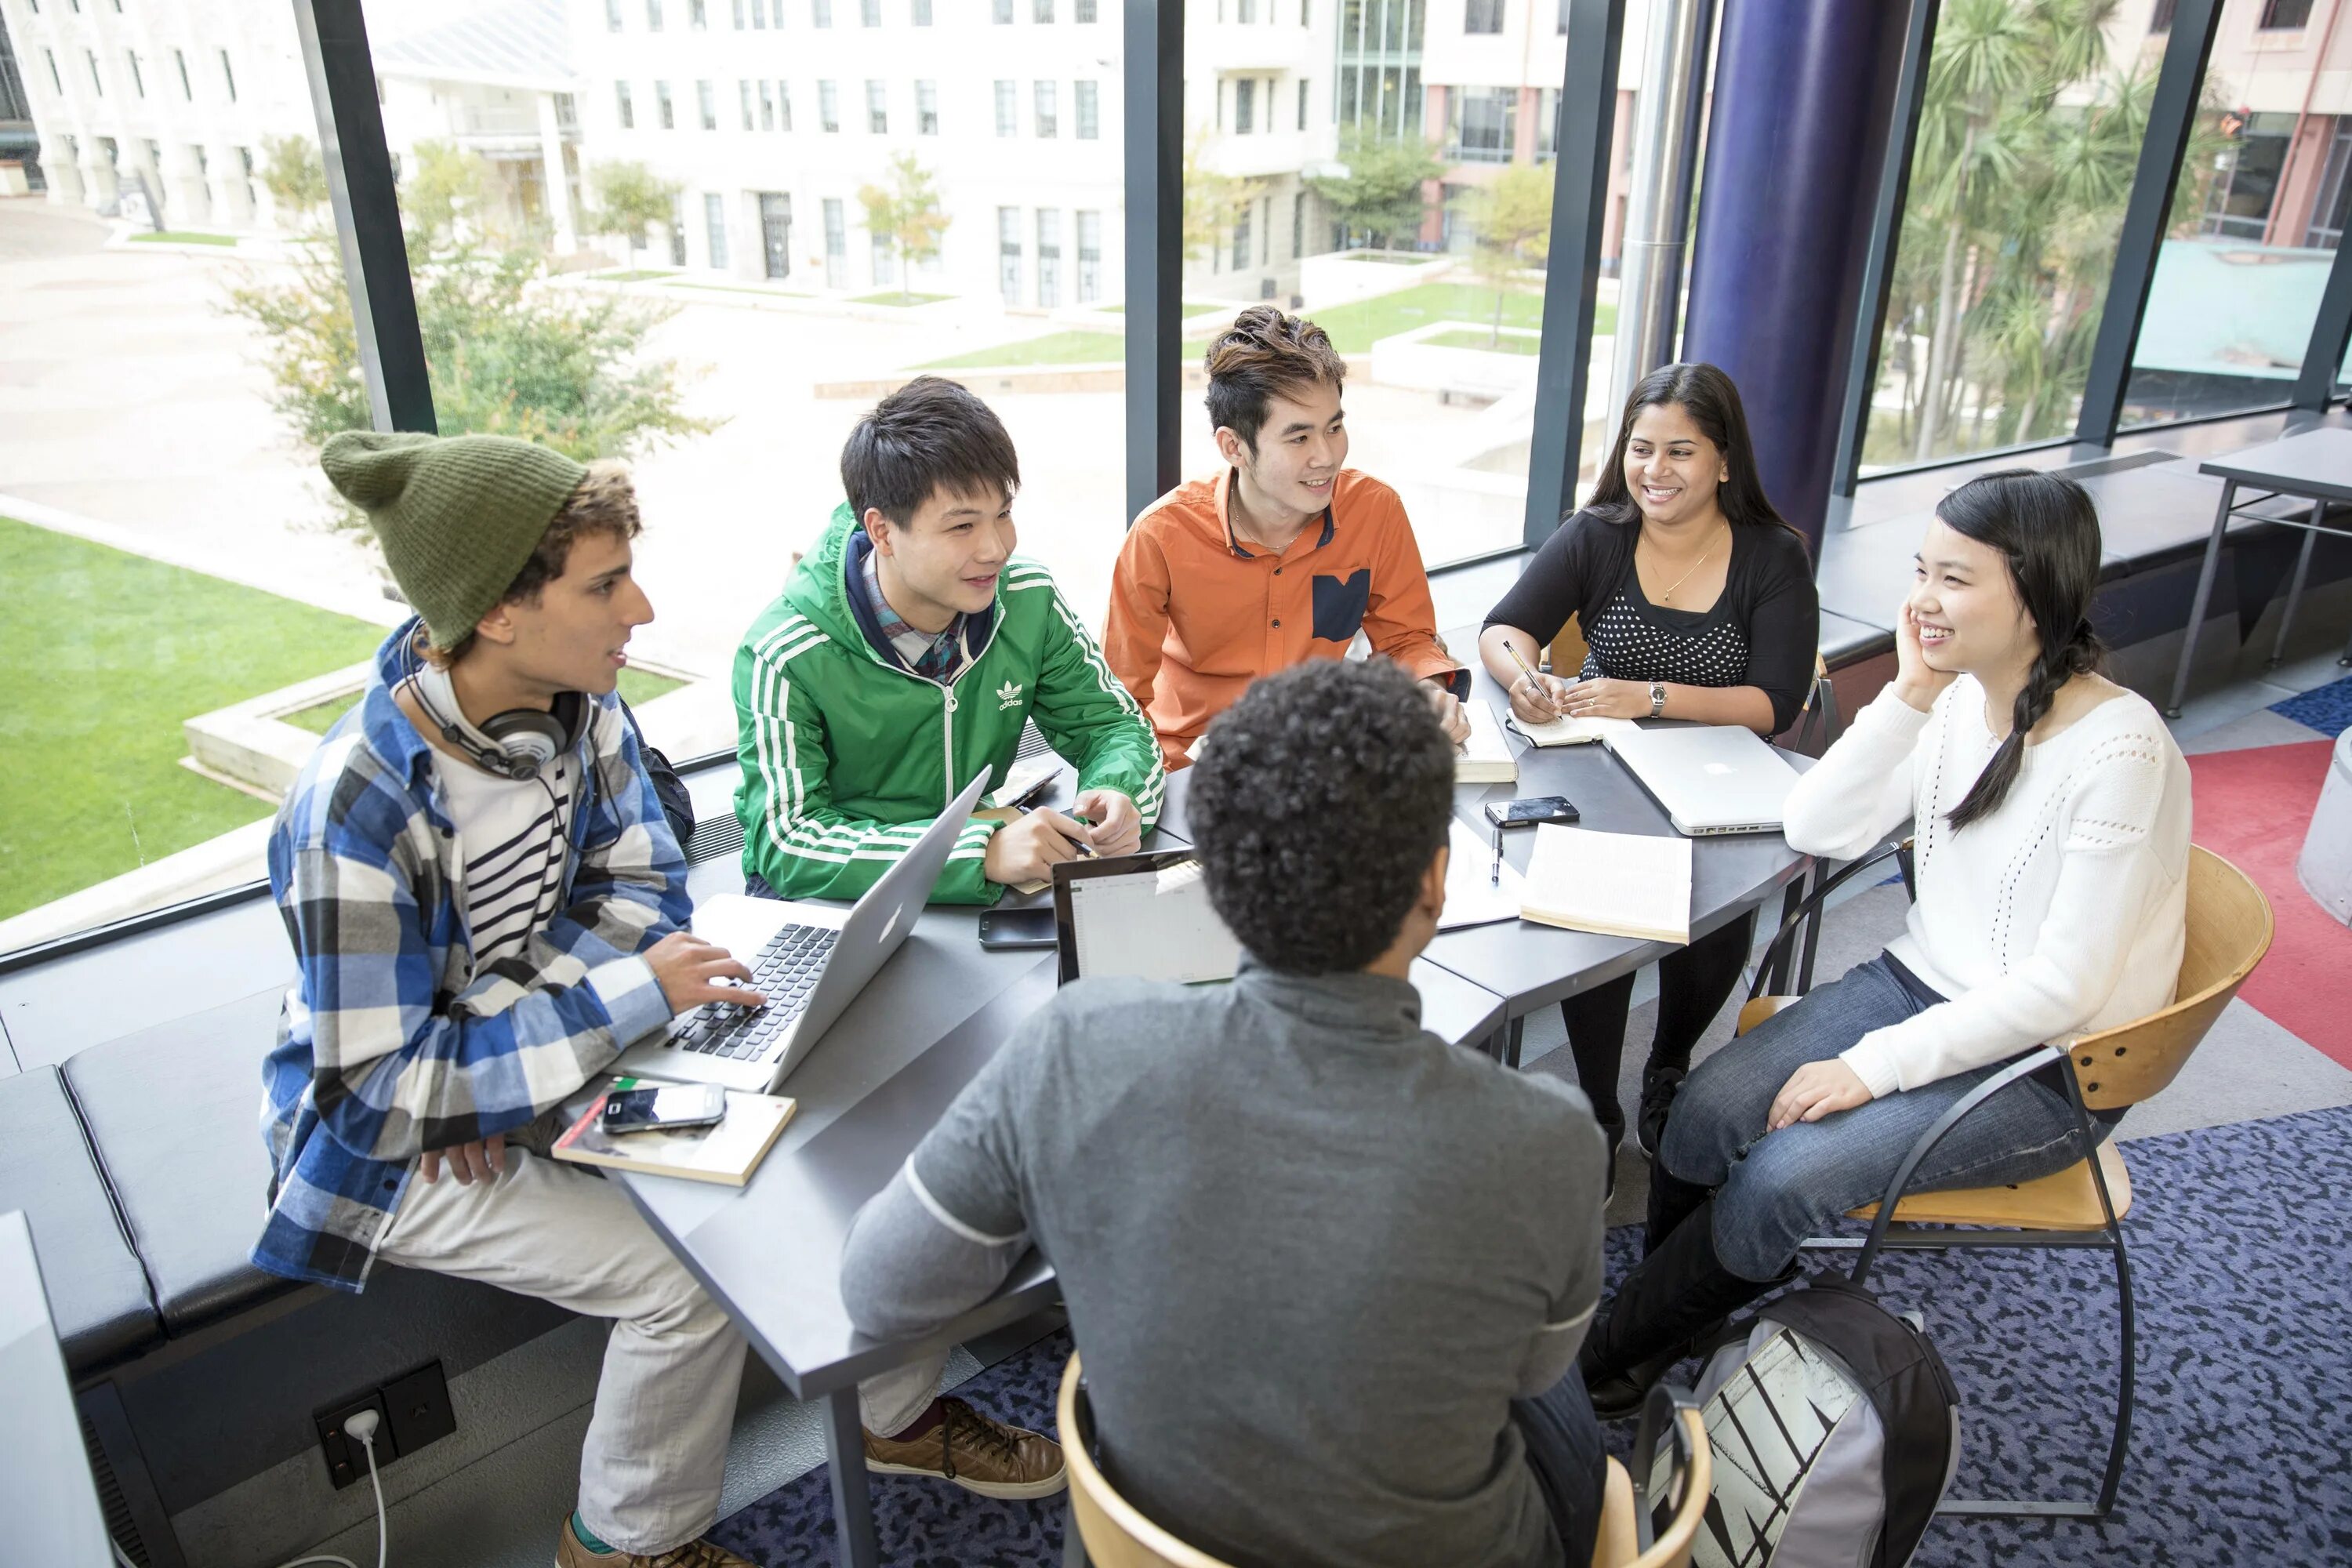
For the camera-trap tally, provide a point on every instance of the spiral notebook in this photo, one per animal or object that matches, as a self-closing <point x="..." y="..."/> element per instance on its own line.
<point x="1618" y="884"/>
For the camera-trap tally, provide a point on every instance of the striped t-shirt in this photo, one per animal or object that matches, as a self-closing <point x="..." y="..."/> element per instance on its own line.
<point x="511" y="833"/>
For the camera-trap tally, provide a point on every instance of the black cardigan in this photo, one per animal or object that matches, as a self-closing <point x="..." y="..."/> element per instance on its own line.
<point x="1769" y="594"/>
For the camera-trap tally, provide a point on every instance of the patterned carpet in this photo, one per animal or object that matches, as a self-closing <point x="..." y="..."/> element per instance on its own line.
<point x="2239" y="1454"/>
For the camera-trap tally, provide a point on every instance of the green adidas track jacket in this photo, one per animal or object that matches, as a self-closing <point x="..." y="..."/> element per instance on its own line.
<point x="848" y="758"/>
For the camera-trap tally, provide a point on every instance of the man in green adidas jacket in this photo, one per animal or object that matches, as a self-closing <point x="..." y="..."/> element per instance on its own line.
<point x="901" y="659"/>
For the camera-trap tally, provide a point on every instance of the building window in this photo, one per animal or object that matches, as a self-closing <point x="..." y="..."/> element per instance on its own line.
<point x="1007" y="115"/>
<point x="1049" y="257"/>
<point x="927" y="109"/>
<point x="820" y="12"/>
<point x="1089" y="258"/>
<point x="96" y="83"/>
<point x="1082" y="10"/>
<point x="1302" y="103"/>
<point x="767" y="106"/>
<point x="1483" y="17"/>
<point x="667" y="115"/>
<point x="1242" y="238"/>
<point x="1298" y="224"/>
<point x="836" y="245"/>
<point x="2238" y="205"/>
<point x="1246" y="12"/>
<point x="697" y="16"/>
<point x="1002" y="15"/>
<point x="228" y="76"/>
<point x="828" y="107"/>
<point x="138" y="77"/>
<point x="883" y="259"/>
<point x="1043" y="11"/>
<point x="1008" y="251"/>
<point x="706" y="99"/>
<point x="54" y="79"/>
<point x="1482" y="124"/>
<point x="784" y="105"/>
<point x="2278" y="14"/>
<point x="187" y="88"/>
<point x="1245" y="106"/>
<point x="1547" y="125"/>
<point x="629" y="111"/>
<point x="2328" y="213"/>
<point x="1048" y="112"/>
<point x="612" y="16"/>
<point x="922" y="12"/>
<point x="1089" y="111"/>
<point x="877" y="108"/>
<point x="714" y="218"/>
<point x="743" y="92"/>
<point x="869" y="13"/>
<point x="653" y="15"/>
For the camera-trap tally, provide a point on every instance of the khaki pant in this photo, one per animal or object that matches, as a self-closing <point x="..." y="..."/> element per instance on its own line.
<point x="656" y="1446"/>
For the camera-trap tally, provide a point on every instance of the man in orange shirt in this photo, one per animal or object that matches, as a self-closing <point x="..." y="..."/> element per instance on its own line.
<point x="1282" y="557"/>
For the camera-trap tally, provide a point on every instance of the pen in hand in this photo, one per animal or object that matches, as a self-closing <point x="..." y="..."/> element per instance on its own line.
<point x="1533" y="684"/>
<point x="1079" y="844"/>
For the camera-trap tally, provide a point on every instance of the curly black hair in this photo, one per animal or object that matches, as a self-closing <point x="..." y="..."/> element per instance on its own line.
<point x="1319" y="800"/>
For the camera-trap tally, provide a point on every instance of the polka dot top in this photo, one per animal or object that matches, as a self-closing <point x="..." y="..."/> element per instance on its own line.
<point x="1762" y="630"/>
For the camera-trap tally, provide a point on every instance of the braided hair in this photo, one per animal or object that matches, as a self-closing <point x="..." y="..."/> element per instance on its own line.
<point x="2047" y="532"/>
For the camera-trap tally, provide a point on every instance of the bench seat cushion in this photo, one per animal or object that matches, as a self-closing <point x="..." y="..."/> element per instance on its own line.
<point x="97" y="1295"/>
<point x="175" y="1115"/>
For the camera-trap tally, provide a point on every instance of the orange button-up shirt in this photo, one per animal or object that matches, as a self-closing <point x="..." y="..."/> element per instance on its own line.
<point x="1196" y="614"/>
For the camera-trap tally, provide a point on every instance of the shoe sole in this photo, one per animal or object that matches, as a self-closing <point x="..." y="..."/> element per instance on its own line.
<point x="1013" y="1489"/>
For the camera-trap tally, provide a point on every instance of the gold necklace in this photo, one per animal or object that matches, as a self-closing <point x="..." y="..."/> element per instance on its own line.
<point x="1668" y="596"/>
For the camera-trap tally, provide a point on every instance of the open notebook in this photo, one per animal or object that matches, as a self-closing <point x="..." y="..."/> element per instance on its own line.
<point x="726" y="1153"/>
<point x="1619" y="884"/>
<point x="1572" y="731"/>
<point x="1486" y="756"/>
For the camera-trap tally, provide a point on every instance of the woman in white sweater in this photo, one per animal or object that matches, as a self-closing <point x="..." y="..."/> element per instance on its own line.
<point x="2051" y="825"/>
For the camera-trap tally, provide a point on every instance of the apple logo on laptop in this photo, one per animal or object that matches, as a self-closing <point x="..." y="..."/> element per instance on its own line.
<point x="889" y="925"/>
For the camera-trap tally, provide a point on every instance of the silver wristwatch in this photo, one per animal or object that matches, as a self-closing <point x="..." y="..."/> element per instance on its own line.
<point x="1657" y="697"/>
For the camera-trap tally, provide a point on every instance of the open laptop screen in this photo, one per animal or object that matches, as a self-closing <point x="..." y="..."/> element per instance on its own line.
<point x="1146" y="915"/>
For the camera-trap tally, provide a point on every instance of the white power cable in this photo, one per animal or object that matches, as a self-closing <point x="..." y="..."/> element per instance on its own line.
<point x="360" y="1429"/>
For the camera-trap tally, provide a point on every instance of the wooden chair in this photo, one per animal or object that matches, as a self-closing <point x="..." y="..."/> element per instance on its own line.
<point x="1628" y="1537"/>
<point x="1115" y="1533"/>
<point x="1565" y="658"/>
<point x="2230" y="928"/>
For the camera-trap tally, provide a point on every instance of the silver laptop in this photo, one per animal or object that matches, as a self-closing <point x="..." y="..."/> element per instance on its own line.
<point x="1711" y="778"/>
<point x="809" y="959"/>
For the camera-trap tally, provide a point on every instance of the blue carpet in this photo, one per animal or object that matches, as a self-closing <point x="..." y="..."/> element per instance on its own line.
<point x="2237" y="1453"/>
<point x="2327" y="709"/>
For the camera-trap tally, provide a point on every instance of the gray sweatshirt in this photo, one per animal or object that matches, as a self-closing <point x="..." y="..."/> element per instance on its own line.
<point x="1310" y="1252"/>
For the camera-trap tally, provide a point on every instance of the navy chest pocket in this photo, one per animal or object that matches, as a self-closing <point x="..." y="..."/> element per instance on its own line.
<point x="1339" y="604"/>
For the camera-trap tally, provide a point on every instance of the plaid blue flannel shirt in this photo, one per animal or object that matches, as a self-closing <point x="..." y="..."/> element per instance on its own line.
<point x="391" y="1044"/>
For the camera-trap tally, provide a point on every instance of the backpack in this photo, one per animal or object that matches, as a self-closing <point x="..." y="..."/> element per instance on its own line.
<point x="677" y="804"/>
<point x="1835" y="1430"/>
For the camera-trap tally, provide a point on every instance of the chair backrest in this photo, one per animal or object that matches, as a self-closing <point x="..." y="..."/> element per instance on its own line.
<point x="2230" y="928"/>
<point x="1568" y="651"/>
<point x="1116" y="1534"/>
<point x="1616" y="1545"/>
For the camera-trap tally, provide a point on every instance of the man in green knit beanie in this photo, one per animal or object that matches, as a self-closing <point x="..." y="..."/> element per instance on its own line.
<point x="487" y="907"/>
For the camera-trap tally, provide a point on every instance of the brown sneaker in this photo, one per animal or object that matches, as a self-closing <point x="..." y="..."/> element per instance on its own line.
<point x="977" y="1453"/>
<point x="571" y="1554"/>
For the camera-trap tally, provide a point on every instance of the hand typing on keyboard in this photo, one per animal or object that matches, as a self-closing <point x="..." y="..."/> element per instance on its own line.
<point x="692" y="972"/>
<point x="746" y="1024"/>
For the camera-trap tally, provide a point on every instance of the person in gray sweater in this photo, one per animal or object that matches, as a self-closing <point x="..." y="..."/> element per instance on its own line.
<point x="1329" y="1272"/>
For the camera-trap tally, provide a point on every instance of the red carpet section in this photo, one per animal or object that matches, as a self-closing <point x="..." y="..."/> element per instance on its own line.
<point x="2253" y="807"/>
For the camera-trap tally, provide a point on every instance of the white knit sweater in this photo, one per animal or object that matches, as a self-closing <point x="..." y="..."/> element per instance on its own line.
<point x="2060" y="914"/>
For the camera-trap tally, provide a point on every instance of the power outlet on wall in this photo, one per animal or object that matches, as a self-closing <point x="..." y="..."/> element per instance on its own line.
<point x="412" y="1410"/>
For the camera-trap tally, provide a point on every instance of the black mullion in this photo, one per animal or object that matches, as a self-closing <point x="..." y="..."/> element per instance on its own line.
<point x="1155" y="245"/>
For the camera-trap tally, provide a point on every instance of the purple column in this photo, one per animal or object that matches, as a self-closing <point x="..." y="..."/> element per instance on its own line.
<point x="1803" y="93"/>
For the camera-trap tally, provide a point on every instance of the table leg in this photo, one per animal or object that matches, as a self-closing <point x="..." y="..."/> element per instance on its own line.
<point x="853" y="1506"/>
<point x="2294" y="588"/>
<point x="1511" y="1042"/>
<point x="2204" y="597"/>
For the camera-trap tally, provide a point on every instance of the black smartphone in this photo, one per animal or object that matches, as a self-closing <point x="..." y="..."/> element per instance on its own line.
<point x="1017" y="928"/>
<point x="666" y="1109"/>
<point x="1528" y="809"/>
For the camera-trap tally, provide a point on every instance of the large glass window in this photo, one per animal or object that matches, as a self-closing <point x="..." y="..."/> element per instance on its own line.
<point x="1047" y="119"/>
<point x="828" y="106"/>
<point x="1007" y="110"/>
<point x="877" y="108"/>
<point x="1089" y="103"/>
<point x="1481" y="126"/>
<point x="927" y="109"/>
<point x="2029" y="139"/>
<point x="2256" y="218"/>
<point x="714" y="219"/>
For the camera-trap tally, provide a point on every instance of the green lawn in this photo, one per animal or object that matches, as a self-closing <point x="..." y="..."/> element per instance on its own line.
<point x="635" y="275"/>
<point x="102" y="658"/>
<point x="1478" y="338"/>
<point x="742" y="289"/>
<point x="892" y="296"/>
<point x="1053" y="348"/>
<point x="185" y="237"/>
<point x="638" y="688"/>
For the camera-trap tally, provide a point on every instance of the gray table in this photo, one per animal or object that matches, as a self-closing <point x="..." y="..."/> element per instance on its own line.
<point x="770" y="1253"/>
<point x="2317" y="465"/>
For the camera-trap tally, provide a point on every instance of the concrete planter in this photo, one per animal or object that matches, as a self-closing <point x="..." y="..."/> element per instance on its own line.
<point x="2325" y="867"/>
<point x="1412" y="359"/>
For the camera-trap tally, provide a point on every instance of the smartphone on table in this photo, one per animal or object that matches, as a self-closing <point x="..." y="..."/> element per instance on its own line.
<point x="665" y="1108"/>
<point x="1530" y="809"/>
<point x="1017" y="928"/>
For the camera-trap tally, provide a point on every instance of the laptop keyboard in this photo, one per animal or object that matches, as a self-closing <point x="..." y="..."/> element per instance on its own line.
<point x="785" y="971"/>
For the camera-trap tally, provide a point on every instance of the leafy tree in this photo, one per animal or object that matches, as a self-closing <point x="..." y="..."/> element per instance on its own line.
<point x="294" y="175"/>
<point x="1510" y="224"/>
<point x="1213" y="202"/>
<point x="906" y="214"/>
<point x="446" y="186"/>
<point x="1377" y="191"/>
<point x="630" y="197"/>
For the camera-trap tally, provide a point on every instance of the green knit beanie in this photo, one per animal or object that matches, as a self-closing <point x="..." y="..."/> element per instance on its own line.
<point x="458" y="516"/>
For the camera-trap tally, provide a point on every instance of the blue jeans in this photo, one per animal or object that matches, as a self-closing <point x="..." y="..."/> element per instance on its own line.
<point x="1775" y="1190"/>
<point x="1563" y="1439"/>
